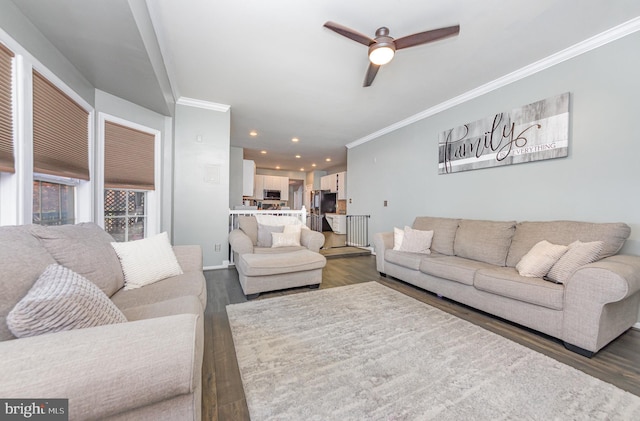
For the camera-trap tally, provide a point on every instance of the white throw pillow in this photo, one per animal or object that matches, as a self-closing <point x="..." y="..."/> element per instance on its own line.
<point x="61" y="300"/>
<point x="416" y="241"/>
<point x="537" y="262"/>
<point x="147" y="261"/>
<point x="285" y="239"/>
<point x="579" y="254"/>
<point x="398" y="236"/>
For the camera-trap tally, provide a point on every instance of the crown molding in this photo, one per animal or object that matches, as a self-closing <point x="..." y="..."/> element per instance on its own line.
<point x="587" y="45"/>
<point x="198" y="103"/>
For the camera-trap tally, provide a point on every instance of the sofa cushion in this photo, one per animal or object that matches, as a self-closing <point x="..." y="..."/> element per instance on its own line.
<point x="61" y="300"/>
<point x="188" y="304"/>
<point x="566" y="232"/>
<point x="22" y="260"/>
<point x="506" y="281"/>
<point x="249" y="225"/>
<point x="404" y="258"/>
<point x="484" y="241"/>
<point x="453" y="268"/>
<point x="85" y="249"/>
<point x="579" y="254"/>
<point x="537" y="262"/>
<point x="444" y="232"/>
<point x="277" y="250"/>
<point x="278" y="263"/>
<point x="147" y="261"/>
<point x="191" y="283"/>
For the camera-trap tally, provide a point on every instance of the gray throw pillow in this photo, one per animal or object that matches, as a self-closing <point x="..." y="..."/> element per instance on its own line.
<point x="61" y="300"/>
<point x="264" y="234"/>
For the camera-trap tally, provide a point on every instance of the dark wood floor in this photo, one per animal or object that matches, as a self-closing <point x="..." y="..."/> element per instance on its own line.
<point x="223" y="396"/>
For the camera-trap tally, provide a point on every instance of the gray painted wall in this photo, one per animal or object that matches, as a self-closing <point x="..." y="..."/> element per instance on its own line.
<point x="30" y="38"/>
<point x="118" y="107"/>
<point x="236" y="177"/>
<point x="597" y="182"/>
<point x="201" y="181"/>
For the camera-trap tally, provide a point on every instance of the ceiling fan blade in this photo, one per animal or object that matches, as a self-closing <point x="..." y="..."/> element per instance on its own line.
<point x="372" y="71"/>
<point x="427" y="36"/>
<point x="349" y="33"/>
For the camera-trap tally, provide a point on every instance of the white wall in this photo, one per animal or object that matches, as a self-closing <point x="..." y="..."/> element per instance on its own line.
<point x="201" y="181"/>
<point x="597" y="182"/>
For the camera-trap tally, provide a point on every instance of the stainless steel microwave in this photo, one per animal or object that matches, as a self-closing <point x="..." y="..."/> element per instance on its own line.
<point x="271" y="195"/>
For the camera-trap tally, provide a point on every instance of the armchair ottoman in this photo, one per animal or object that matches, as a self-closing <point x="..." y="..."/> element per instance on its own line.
<point x="264" y="266"/>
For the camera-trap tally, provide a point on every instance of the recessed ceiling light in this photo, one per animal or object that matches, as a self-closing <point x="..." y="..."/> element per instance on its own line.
<point x="295" y="139"/>
<point x="253" y="133"/>
<point x="301" y="169"/>
<point x="263" y="152"/>
<point x="328" y="159"/>
<point x="313" y="165"/>
<point x="277" y="167"/>
<point x="298" y="156"/>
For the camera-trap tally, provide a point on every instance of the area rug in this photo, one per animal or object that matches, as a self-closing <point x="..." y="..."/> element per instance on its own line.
<point x="367" y="352"/>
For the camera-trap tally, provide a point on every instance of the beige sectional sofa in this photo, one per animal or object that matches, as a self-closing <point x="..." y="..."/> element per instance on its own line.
<point x="263" y="267"/>
<point x="148" y="367"/>
<point x="474" y="262"/>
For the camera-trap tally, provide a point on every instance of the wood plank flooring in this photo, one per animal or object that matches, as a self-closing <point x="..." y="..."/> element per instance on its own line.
<point x="223" y="396"/>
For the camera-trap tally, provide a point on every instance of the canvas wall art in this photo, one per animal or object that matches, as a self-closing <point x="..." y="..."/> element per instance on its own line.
<point x="529" y="133"/>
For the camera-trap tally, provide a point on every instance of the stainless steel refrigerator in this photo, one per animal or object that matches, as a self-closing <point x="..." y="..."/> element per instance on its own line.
<point x="322" y="202"/>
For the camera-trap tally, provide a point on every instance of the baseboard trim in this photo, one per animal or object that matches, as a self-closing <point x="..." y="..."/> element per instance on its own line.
<point x="225" y="264"/>
<point x="636" y="326"/>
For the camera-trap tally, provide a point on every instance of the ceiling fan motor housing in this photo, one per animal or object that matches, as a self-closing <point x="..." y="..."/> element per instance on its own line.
<point x="382" y="40"/>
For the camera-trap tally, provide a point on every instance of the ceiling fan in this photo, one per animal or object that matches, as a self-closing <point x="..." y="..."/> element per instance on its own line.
<point x="382" y="48"/>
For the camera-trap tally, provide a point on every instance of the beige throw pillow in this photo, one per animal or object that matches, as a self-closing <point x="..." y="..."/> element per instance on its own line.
<point x="398" y="236"/>
<point x="579" y="254"/>
<point x="416" y="241"/>
<point x="537" y="262"/>
<point x="285" y="239"/>
<point x="61" y="300"/>
<point x="147" y="261"/>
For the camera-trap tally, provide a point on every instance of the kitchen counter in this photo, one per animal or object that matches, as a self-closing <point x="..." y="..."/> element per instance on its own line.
<point x="338" y="223"/>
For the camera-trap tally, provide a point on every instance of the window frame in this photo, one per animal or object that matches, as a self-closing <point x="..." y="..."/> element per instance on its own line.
<point x="71" y="182"/>
<point x="16" y="189"/>
<point x="153" y="197"/>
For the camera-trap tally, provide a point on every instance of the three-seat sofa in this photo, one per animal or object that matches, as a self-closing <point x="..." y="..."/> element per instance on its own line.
<point x="474" y="262"/>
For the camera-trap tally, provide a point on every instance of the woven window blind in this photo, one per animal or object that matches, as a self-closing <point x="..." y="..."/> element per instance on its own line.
<point x="60" y="132"/>
<point x="6" y="113"/>
<point x="128" y="158"/>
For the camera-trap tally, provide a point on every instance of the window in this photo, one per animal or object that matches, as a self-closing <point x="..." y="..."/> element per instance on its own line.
<point x="129" y="180"/>
<point x="125" y="214"/>
<point x="6" y="110"/>
<point x="53" y="203"/>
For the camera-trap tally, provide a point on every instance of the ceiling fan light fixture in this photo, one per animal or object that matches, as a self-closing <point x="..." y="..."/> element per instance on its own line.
<point x="381" y="53"/>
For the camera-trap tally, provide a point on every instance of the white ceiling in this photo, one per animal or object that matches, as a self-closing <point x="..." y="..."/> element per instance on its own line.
<point x="285" y="75"/>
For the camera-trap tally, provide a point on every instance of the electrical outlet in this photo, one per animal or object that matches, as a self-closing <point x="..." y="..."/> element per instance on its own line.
<point x="218" y="247"/>
<point x="386" y="203"/>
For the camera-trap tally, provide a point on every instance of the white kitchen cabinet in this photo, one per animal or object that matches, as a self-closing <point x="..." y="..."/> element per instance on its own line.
<point x="284" y="188"/>
<point x="342" y="185"/>
<point x="258" y="188"/>
<point x="271" y="182"/>
<point x="328" y="182"/>
<point x="248" y="177"/>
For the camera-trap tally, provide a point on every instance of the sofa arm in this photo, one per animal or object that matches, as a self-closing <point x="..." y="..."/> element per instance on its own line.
<point x="108" y="369"/>
<point x="240" y="242"/>
<point x="189" y="258"/>
<point x="313" y="240"/>
<point x="382" y="241"/>
<point x="611" y="283"/>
